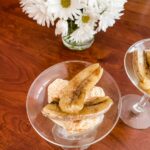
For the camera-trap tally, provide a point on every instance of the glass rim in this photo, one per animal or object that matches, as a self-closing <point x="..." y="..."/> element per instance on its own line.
<point x="85" y="145"/>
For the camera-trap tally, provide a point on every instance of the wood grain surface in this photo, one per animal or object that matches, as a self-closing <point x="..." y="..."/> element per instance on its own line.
<point x="26" y="49"/>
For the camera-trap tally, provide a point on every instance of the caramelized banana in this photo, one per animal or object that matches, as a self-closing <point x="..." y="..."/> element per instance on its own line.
<point x="73" y="95"/>
<point x="147" y="53"/>
<point x="99" y="106"/>
<point x="96" y="100"/>
<point x="145" y="85"/>
<point x="141" y="63"/>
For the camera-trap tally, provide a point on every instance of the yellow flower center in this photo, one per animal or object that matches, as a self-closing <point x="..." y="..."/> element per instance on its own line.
<point x="85" y="19"/>
<point x="65" y="3"/>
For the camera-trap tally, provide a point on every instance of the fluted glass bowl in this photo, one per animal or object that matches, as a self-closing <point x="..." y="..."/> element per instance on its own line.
<point x="37" y="99"/>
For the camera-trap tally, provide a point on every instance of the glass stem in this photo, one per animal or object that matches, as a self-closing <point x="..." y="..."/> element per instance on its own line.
<point x="140" y="106"/>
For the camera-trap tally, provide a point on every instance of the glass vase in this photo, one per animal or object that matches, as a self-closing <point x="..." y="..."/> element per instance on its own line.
<point x="77" y="46"/>
<point x="72" y="45"/>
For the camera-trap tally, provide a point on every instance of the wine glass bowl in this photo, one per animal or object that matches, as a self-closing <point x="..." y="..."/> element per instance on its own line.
<point x="135" y="109"/>
<point x="128" y="62"/>
<point x="53" y="133"/>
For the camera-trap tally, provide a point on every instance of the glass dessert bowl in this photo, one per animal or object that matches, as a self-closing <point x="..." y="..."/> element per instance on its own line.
<point x="71" y="131"/>
<point x="136" y="108"/>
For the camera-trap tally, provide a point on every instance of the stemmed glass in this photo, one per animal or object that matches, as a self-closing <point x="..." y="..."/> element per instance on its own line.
<point x="135" y="109"/>
<point x="47" y="129"/>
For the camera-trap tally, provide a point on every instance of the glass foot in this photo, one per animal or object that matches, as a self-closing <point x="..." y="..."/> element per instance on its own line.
<point x="81" y="148"/>
<point x="137" y="121"/>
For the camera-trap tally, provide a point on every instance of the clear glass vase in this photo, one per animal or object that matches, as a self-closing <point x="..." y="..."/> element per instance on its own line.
<point x="77" y="46"/>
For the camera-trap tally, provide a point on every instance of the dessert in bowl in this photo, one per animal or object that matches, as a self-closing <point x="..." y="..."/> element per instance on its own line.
<point x="136" y="108"/>
<point x="74" y="104"/>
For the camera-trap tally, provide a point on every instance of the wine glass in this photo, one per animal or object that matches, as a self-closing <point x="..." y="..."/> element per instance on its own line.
<point x="53" y="133"/>
<point x="135" y="109"/>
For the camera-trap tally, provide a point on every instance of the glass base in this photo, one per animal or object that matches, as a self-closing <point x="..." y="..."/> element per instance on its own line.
<point x="137" y="121"/>
<point x="77" y="46"/>
<point x="76" y="141"/>
<point x="81" y="148"/>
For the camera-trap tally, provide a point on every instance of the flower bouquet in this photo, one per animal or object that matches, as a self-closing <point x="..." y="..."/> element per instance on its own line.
<point x="77" y="21"/>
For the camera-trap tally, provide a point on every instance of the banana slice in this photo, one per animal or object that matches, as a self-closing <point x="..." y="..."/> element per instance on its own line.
<point x="73" y="95"/>
<point x="147" y="52"/>
<point x="145" y="85"/>
<point x="141" y="63"/>
<point x="96" y="100"/>
<point x="99" y="106"/>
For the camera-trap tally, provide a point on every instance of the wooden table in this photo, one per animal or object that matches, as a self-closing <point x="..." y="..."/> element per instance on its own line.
<point x="26" y="49"/>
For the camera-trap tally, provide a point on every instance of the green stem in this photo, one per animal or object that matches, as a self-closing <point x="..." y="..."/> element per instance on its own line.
<point x="72" y="26"/>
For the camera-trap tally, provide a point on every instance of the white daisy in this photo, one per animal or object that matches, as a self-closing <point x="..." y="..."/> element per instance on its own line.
<point x="85" y="14"/>
<point x="38" y="10"/>
<point x="65" y="9"/>
<point x="87" y="18"/>
<point x="82" y="34"/>
<point x="90" y="3"/>
<point x="110" y="10"/>
<point x="61" y="28"/>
